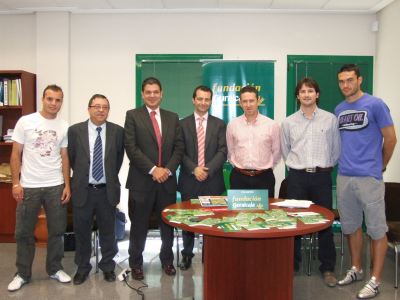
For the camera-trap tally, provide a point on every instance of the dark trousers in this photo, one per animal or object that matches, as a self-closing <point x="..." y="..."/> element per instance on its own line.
<point x="316" y="187"/>
<point x="265" y="180"/>
<point x="96" y="204"/>
<point x="26" y="219"/>
<point x="141" y="205"/>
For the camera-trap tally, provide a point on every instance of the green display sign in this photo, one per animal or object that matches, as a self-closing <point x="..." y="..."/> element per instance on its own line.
<point x="247" y="199"/>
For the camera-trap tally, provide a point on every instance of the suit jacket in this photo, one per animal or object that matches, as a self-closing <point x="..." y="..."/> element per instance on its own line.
<point x="214" y="156"/>
<point x="142" y="149"/>
<point x="79" y="156"/>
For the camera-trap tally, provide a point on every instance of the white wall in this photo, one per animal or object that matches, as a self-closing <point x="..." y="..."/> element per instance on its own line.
<point x="18" y="42"/>
<point x="102" y="49"/>
<point x="387" y="67"/>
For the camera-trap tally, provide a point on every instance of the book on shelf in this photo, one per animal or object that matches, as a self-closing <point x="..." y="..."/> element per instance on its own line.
<point x="5" y="93"/>
<point x="1" y="93"/>
<point x="10" y="92"/>
<point x="212" y="201"/>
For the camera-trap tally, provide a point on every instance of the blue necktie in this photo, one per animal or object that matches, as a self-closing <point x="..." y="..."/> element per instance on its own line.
<point x="97" y="167"/>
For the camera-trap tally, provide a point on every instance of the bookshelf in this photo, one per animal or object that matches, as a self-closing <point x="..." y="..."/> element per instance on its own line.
<point x="10" y="115"/>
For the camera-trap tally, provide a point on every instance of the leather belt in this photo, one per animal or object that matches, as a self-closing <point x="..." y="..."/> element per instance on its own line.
<point x="97" y="186"/>
<point x="251" y="172"/>
<point x="314" y="170"/>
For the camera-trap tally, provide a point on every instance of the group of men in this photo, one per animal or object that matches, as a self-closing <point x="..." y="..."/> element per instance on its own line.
<point x="360" y="137"/>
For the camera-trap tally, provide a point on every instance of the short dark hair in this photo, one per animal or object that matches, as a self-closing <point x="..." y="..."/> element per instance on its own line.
<point x="349" y="68"/>
<point x="97" y="96"/>
<point x="202" y="88"/>
<point x="151" y="80"/>
<point x="309" y="82"/>
<point x="54" y="88"/>
<point x="248" y="89"/>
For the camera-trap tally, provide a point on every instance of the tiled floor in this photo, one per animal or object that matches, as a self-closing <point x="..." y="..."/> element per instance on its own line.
<point x="185" y="285"/>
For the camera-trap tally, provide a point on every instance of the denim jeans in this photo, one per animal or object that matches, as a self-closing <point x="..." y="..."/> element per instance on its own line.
<point x="26" y="219"/>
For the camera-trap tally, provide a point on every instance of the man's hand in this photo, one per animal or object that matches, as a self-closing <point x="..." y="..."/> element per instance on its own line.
<point x="18" y="193"/>
<point x="66" y="195"/>
<point x="160" y="174"/>
<point x="201" y="173"/>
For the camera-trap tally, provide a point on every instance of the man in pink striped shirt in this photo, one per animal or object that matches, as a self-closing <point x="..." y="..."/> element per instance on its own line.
<point x="253" y="145"/>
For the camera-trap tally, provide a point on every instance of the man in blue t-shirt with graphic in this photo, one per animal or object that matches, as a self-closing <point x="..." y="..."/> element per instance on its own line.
<point x="368" y="139"/>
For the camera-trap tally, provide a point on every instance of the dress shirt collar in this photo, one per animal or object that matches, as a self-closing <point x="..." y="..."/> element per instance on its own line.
<point x="196" y="116"/>
<point x="157" y="110"/>
<point x="93" y="126"/>
<point x="251" y="122"/>
<point x="313" y="114"/>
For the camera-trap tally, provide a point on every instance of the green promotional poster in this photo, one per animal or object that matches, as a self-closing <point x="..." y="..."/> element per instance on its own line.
<point x="226" y="78"/>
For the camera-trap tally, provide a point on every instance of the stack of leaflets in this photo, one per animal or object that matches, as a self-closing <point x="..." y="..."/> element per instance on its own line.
<point x="212" y="201"/>
<point x="309" y="217"/>
<point x="293" y="203"/>
<point x="275" y="218"/>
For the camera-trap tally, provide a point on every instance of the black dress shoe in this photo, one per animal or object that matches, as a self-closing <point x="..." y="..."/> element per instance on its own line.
<point x="109" y="276"/>
<point x="80" y="278"/>
<point x="185" y="263"/>
<point x="137" y="273"/>
<point x="169" y="270"/>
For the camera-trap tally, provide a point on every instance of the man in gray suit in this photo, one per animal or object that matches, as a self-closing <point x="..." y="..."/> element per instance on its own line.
<point x="154" y="145"/>
<point x="96" y="151"/>
<point x="205" y="154"/>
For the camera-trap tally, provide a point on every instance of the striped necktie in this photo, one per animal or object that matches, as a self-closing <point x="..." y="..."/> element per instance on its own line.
<point x="158" y="135"/>
<point x="200" y="142"/>
<point x="97" y="167"/>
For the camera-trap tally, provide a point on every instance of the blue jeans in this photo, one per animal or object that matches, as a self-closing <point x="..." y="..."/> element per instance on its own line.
<point x="26" y="219"/>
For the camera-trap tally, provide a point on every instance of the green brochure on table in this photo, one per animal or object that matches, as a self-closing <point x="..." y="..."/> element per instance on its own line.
<point x="248" y="199"/>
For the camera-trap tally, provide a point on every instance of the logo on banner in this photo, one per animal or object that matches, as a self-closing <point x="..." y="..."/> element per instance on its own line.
<point x="229" y="94"/>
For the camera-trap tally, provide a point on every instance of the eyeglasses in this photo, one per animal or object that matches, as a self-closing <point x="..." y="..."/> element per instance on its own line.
<point x="100" y="107"/>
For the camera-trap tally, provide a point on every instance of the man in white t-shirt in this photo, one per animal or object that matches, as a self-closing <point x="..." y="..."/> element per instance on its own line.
<point x="40" y="177"/>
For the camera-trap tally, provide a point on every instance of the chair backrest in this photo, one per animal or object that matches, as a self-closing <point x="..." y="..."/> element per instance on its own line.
<point x="392" y="201"/>
<point x="283" y="189"/>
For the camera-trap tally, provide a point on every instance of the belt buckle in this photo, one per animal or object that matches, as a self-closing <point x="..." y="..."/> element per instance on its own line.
<point x="252" y="172"/>
<point x="311" y="170"/>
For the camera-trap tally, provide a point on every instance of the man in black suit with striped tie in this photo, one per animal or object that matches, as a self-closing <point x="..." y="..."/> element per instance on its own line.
<point x="203" y="160"/>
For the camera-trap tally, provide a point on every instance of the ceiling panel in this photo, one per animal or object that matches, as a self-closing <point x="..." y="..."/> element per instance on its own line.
<point x="316" y="6"/>
<point x="191" y="4"/>
<point x="136" y="4"/>
<point x="346" y="4"/>
<point x="294" y="4"/>
<point x="244" y="4"/>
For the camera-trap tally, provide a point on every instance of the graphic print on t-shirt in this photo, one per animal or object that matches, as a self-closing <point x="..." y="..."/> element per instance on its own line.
<point x="46" y="142"/>
<point x="353" y="119"/>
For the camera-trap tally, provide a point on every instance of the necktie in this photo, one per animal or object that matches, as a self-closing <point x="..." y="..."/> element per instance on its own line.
<point x="200" y="142"/>
<point x="97" y="167"/>
<point x="158" y="135"/>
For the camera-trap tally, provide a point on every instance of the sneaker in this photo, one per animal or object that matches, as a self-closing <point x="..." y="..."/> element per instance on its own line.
<point x="61" y="276"/>
<point x="370" y="290"/>
<point x="351" y="276"/>
<point x="16" y="283"/>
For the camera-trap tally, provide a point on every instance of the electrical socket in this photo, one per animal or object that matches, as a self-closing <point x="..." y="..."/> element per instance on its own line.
<point x="124" y="274"/>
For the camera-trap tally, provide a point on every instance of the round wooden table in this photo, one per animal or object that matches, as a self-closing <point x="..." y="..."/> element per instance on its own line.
<point x="248" y="264"/>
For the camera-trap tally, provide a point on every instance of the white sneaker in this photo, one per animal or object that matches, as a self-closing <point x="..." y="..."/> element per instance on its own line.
<point x="370" y="290"/>
<point x="351" y="276"/>
<point x="16" y="283"/>
<point x="61" y="276"/>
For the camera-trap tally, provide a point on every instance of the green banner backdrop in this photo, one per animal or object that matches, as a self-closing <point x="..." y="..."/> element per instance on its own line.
<point x="226" y="78"/>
